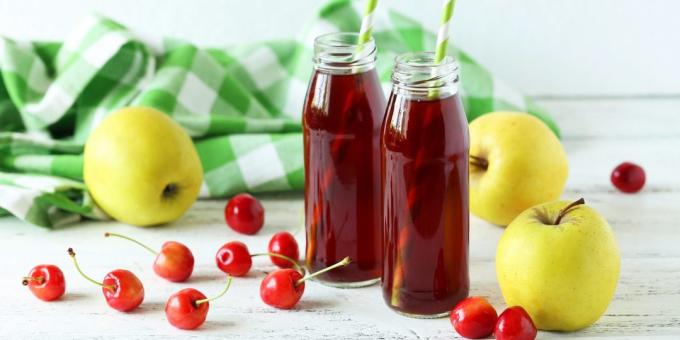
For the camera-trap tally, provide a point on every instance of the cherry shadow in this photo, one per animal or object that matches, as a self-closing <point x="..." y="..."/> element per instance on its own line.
<point x="149" y="307"/>
<point x="217" y="325"/>
<point x="68" y="297"/>
<point x="314" y="305"/>
<point x="206" y="277"/>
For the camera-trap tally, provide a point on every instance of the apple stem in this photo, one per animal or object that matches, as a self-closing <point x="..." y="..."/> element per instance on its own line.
<point x="28" y="279"/>
<point x="479" y="162"/>
<point x="566" y="209"/>
<point x="75" y="262"/>
<point x="224" y="291"/>
<point x="281" y="256"/>
<point x="344" y="262"/>
<point x="107" y="234"/>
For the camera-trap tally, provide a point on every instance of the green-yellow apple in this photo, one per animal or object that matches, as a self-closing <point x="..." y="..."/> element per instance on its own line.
<point x="516" y="162"/>
<point x="559" y="261"/>
<point x="141" y="167"/>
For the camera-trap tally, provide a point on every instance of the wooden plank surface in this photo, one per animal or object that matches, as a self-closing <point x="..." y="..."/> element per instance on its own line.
<point x="598" y="134"/>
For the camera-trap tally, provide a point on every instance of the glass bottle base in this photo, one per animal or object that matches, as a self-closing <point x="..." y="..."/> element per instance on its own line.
<point x="357" y="284"/>
<point x="423" y="316"/>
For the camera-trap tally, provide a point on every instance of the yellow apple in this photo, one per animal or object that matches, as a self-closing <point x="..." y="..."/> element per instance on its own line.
<point x="141" y="167"/>
<point x="516" y="162"/>
<point x="562" y="270"/>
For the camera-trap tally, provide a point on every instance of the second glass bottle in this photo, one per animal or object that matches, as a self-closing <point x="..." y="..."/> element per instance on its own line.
<point x="425" y="146"/>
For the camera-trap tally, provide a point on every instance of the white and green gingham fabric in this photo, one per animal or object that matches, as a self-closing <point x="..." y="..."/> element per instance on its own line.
<point x="241" y="104"/>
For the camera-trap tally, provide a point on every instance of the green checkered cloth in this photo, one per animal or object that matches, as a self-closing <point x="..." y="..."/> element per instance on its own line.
<point x="241" y="104"/>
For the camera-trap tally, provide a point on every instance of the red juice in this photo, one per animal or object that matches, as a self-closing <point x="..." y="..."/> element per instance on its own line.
<point x="425" y="150"/>
<point x="341" y="123"/>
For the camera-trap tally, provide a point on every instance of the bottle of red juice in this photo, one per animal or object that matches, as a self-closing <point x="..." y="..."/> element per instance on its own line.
<point x="342" y="116"/>
<point x="425" y="146"/>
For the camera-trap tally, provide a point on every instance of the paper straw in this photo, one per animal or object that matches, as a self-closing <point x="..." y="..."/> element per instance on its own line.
<point x="443" y="35"/>
<point x="367" y="22"/>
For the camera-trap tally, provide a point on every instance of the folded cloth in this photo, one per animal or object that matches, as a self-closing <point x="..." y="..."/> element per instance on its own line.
<point x="241" y="104"/>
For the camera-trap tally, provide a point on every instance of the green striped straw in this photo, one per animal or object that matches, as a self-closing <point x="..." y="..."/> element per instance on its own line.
<point x="442" y="38"/>
<point x="443" y="35"/>
<point x="367" y="22"/>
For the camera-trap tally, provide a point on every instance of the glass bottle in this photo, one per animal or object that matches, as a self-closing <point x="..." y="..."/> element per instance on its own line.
<point x="342" y="116"/>
<point x="425" y="147"/>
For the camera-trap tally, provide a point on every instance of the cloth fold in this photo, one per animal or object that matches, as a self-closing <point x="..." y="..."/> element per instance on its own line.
<point x="241" y="104"/>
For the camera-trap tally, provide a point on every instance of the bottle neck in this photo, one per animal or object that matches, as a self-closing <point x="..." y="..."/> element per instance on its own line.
<point x="418" y="75"/>
<point x="340" y="53"/>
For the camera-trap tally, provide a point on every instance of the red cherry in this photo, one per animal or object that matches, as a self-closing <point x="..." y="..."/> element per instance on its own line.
<point x="474" y="318"/>
<point x="182" y="310"/>
<point x="628" y="177"/>
<point x="515" y="324"/>
<point x="245" y="214"/>
<point x="122" y="289"/>
<point x="188" y="308"/>
<point x="46" y="282"/>
<point x="234" y="258"/>
<point x="174" y="262"/>
<point x="283" y="243"/>
<point x="283" y="288"/>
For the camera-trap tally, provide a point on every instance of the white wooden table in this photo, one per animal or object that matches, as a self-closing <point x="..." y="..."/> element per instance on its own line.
<point x="598" y="134"/>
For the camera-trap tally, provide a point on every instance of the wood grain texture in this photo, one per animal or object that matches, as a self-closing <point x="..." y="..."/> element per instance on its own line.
<point x="597" y="135"/>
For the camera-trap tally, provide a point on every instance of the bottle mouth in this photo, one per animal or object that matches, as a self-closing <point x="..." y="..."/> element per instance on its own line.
<point x="420" y="70"/>
<point x="424" y="59"/>
<point x="341" y="51"/>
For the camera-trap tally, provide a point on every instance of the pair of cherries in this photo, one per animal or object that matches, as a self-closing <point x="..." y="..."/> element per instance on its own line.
<point x="475" y="318"/>
<point x="282" y="288"/>
<point x="122" y="290"/>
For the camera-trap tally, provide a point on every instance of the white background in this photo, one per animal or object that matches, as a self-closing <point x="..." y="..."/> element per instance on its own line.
<point x="554" y="48"/>
<point x="544" y="48"/>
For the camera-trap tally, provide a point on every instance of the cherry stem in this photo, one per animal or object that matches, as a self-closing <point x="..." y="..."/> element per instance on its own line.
<point x="566" y="209"/>
<point x="479" y="162"/>
<point x="281" y="256"/>
<point x="342" y="263"/>
<point x="132" y="240"/>
<point x="72" y="254"/>
<point x="28" y="279"/>
<point x="226" y="288"/>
